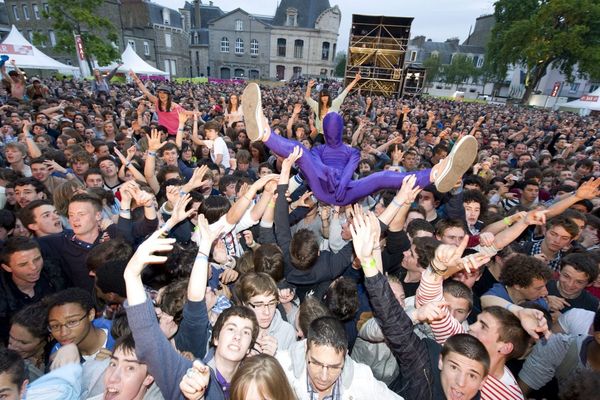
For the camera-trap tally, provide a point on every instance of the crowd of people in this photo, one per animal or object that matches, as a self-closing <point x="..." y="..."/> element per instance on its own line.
<point x="156" y="242"/>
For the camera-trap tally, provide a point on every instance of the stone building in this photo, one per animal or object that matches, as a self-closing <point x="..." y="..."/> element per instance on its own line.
<point x="4" y="23"/>
<point x="158" y="34"/>
<point x="240" y="46"/>
<point x="27" y="16"/>
<point x="200" y="15"/>
<point x="304" y="39"/>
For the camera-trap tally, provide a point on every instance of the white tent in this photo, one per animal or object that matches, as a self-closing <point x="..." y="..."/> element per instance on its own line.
<point x="27" y="55"/>
<point x="586" y="103"/>
<point x="131" y="61"/>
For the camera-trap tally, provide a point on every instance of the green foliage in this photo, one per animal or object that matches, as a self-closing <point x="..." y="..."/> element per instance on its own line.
<point x="540" y="33"/>
<point x="433" y="65"/>
<point x="81" y="17"/>
<point x="459" y="70"/>
<point x="340" y="67"/>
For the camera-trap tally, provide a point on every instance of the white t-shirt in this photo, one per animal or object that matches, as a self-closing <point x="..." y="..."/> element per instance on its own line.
<point x="220" y="147"/>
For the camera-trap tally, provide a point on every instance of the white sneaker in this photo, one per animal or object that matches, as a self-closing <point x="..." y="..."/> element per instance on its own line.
<point x="254" y="118"/>
<point x="457" y="163"/>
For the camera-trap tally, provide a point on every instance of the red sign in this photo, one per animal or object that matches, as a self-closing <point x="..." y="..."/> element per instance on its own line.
<point x="12" y="49"/>
<point x="79" y="47"/>
<point x="589" y="98"/>
<point x="555" y="90"/>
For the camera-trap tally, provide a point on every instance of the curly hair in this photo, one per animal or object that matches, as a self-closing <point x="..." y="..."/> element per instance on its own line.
<point x="521" y="270"/>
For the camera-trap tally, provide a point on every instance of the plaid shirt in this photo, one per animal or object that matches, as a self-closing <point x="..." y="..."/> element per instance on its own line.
<point x="554" y="264"/>
<point x="336" y="393"/>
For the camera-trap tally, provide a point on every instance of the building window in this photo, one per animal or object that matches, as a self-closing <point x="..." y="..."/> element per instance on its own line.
<point x="291" y="17"/>
<point x="30" y="36"/>
<point x="36" y="11"/>
<point x="168" y="40"/>
<point x="171" y="67"/>
<point x="239" y="46"/>
<point x="52" y="37"/>
<point x="238" y="73"/>
<point x="325" y="52"/>
<point x="132" y="44"/>
<point x="239" y="25"/>
<point x="281" y="44"/>
<point x="413" y="56"/>
<point x="297" y="72"/>
<point x="46" y="8"/>
<point x="166" y="14"/>
<point x="224" y="45"/>
<point x="298" y="48"/>
<point x="334" y="52"/>
<point x="43" y="38"/>
<point x="480" y="62"/>
<point x="26" y="12"/>
<point x="146" y="48"/>
<point x="225" y="73"/>
<point x="574" y="87"/>
<point x="16" y="13"/>
<point x="280" y="71"/>
<point x="254" y="47"/>
<point x="594" y="86"/>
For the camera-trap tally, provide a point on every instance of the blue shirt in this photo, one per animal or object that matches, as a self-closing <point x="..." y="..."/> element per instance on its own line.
<point x="499" y="290"/>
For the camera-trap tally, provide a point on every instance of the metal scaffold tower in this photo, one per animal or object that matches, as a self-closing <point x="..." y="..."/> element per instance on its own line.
<point x="377" y="48"/>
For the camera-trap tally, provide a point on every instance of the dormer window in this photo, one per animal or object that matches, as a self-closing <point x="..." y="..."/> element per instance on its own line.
<point x="239" y="25"/>
<point x="291" y="17"/>
<point x="166" y="14"/>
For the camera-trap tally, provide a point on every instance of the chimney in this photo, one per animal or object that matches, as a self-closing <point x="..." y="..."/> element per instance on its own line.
<point x="197" y="15"/>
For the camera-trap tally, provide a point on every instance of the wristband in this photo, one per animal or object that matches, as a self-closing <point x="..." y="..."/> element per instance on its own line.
<point x="127" y="164"/>
<point x="182" y="193"/>
<point x="394" y="202"/>
<point x="506" y="221"/>
<point x="151" y="153"/>
<point x="247" y="197"/>
<point x="271" y="204"/>
<point x="371" y="264"/>
<point x="507" y="306"/>
<point x="202" y="256"/>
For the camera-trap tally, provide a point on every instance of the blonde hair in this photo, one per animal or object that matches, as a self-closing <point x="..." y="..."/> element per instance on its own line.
<point x="267" y="374"/>
<point x="63" y="193"/>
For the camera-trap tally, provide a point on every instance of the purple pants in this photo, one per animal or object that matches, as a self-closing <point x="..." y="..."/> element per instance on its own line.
<point x="319" y="181"/>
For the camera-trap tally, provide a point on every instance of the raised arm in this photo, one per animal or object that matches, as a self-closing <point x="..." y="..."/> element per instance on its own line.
<point x="154" y="144"/>
<point x="142" y="88"/>
<point x="32" y="148"/>
<point x="588" y="190"/>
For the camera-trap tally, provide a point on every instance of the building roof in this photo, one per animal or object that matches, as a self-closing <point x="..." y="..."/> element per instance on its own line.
<point x="207" y="14"/>
<point x="444" y="50"/>
<point x="482" y="31"/>
<point x="155" y="12"/>
<point x="308" y="12"/>
<point x="3" y="15"/>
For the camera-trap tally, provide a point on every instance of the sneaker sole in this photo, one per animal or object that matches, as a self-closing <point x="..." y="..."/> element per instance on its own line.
<point x="461" y="158"/>
<point x="252" y="109"/>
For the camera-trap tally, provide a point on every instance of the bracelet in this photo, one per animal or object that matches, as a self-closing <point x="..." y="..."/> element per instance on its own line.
<point x="151" y="205"/>
<point x="247" y="197"/>
<point x="126" y="212"/>
<point x="394" y="202"/>
<point x="508" y="305"/>
<point x="182" y="193"/>
<point x="271" y="204"/>
<point x="371" y="264"/>
<point x="127" y="164"/>
<point x="151" y="153"/>
<point x="506" y="221"/>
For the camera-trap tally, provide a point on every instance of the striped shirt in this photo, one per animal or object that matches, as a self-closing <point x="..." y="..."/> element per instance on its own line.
<point x="429" y="290"/>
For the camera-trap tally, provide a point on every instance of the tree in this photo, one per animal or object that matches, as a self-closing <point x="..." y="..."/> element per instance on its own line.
<point x="340" y="67"/>
<point x="541" y="33"/>
<point x="433" y="65"/>
<point x="459" y="70"/>
<point x="81" y="17"/>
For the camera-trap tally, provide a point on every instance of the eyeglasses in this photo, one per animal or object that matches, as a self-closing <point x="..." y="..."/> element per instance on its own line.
<point x="261" y="306"/>
<point x="69" y="324"/>
<point x="318" y="366"/>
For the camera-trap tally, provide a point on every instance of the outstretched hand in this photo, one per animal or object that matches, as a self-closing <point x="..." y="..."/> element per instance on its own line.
<point x="144" y="254"/>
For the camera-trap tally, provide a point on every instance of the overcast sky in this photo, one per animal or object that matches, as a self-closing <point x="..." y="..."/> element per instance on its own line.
<point x="436" y="19"/>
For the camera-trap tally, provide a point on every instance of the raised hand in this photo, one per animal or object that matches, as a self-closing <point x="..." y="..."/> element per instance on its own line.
<point x="536" y="217"/>
<point x="429" y="312"/>
<point x="144" y="254"/>
<point x="408" y="191"/>
<point x="294" y="156"/>
<point x="183" y="117"/>
<point x="259" y="184"/>
<point x="154" y="141"/>
<point x="361" y="234"/>
<point x="131" y="152"/>
<point x="179" y="213"/>
<point x="311" y="83"/>
<point x="207" y="234"/>
<point x="534" y="322"/>
<point x="589" y="189"/>
<point x="447" y="256"/>
<point x="194" y="383"/>
<point x="297" y="108"/>
<point x="196" y="179"/>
